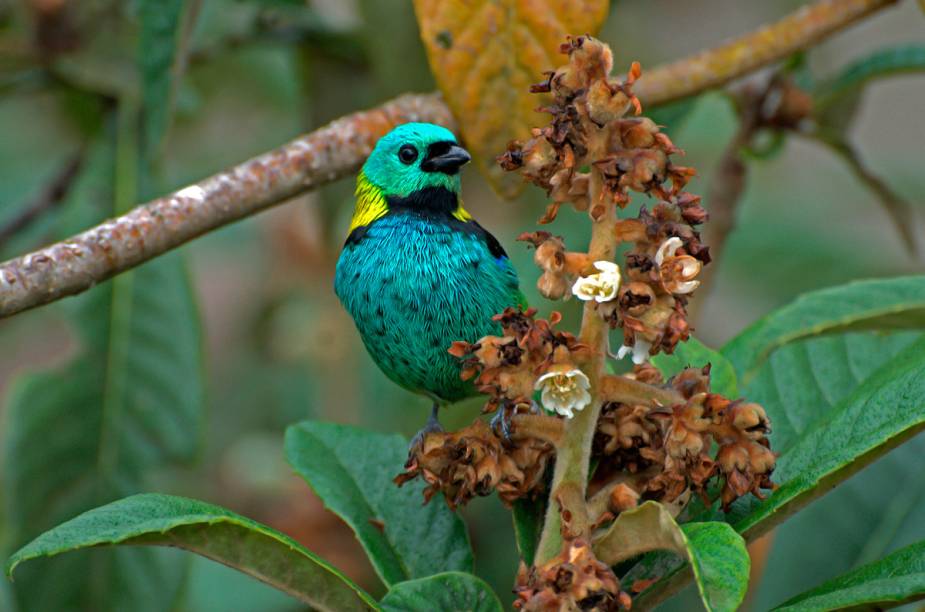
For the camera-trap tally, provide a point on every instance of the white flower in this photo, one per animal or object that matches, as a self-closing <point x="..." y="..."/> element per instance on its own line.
<point x="565" y="390"/>
<point x="601" y="287"/>
<point x="676" y="272"/>
<point x="640" y="351"/>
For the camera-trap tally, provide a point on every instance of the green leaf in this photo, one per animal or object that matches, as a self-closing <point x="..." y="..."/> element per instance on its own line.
<point x="455" y="591"/>
<point x="890" y="303"/>
<point x="716" y="553"/>
<point x="878" y="509"/>
<point x="802" y="382"/>
<point x="799" y="386"/>
<point x="881" y="63"/>
<point x="528" y="524"/>
<point x="210" y="531"/>
<point x="161" y="47"/>
<point x="887" y="583"/>
<point x="351" y="470"/>
<point x="694" y="353"/>
<point x="88" y="433"/>
<point x="884" y="411"/>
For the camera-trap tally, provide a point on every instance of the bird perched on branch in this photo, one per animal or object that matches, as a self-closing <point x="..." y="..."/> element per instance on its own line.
<point x="417" y="272"/>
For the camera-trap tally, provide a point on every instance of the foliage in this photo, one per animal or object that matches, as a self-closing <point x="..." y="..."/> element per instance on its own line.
<point x="351" y="470"/>
<point x="839" y="372"/>
<point x="715" y="551"/>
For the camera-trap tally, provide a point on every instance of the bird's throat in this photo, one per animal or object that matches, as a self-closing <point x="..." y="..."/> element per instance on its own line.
<point x="437" y="203"/>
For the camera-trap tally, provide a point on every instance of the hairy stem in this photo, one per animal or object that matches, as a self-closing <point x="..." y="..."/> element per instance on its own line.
<point x="545" y="428"/>
<point x="570" y="478"/>
<point x="628" y="391"/>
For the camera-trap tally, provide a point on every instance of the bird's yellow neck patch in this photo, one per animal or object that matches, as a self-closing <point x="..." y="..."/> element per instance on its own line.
<point x="461" y="213"/>
<point x="371" y="205"/>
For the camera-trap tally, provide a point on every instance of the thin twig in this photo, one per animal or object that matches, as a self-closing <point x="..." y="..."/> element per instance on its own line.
<point x="898" y="209"/>
<point x="52" y="195"/>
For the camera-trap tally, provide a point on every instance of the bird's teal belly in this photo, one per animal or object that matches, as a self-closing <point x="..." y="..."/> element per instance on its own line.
<point x="414" y="286"/>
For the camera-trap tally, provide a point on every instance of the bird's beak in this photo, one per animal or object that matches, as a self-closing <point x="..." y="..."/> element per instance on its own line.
<point x="446" y="157"/>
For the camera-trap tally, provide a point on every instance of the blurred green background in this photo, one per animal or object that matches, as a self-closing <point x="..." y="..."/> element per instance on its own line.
<point x="257" y="340"/>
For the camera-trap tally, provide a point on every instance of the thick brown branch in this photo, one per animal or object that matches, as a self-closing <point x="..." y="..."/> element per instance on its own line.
<point x="329" y="153"/>
<point x="714" y="67"/>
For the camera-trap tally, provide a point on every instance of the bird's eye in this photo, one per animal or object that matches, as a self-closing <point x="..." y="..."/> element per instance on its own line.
<point x="407" y="154"/>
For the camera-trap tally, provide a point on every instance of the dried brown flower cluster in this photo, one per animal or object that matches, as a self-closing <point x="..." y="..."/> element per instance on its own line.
<point x="507" y="367"/>
<point x="639" y="437"/>
<point x="574" y="580"/>
<point x="473" y="461"/>
<point x="588" y="130"/>
<point x="669" y="447"/>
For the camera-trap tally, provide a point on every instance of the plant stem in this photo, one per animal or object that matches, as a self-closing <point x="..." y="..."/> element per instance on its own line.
<point x="570" y="478"/>
<point x="628" y="391"/>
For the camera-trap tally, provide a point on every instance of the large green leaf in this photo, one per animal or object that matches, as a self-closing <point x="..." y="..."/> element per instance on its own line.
<point x="884" y="411"/>
<point x="716" y="553"/>
<point x="879" y="509"/>
<point x="890" y="303"/>
<point x="455" y="591"/>
<point x="210" y="531"/>
<point x="351" y="470"/>
<point x="694" y="353"/>
<point x="887" y="583"/>
<point x="802" y="382"/>
<point x="89" y="432"/>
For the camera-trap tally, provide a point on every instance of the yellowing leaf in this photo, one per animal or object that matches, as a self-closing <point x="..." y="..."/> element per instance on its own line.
<point x="485" y="54"/>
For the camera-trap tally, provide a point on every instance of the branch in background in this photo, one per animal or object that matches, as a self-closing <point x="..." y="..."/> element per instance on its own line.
<point x="52" y="195"/>
<point x="766" y="45"/>
<point x="327" y="154"/>
<point x="766" y="101"/>
<point x="898" y="209"/>
<point x="337" y="150"/>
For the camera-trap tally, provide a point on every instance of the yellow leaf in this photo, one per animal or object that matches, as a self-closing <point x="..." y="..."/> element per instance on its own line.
<point x="485" y="54"/>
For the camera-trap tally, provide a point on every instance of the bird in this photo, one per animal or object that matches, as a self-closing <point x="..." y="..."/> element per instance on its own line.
<point x="417" y="272"/>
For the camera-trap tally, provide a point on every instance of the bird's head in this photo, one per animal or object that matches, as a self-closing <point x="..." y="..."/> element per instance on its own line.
<point x="415" y="156"/>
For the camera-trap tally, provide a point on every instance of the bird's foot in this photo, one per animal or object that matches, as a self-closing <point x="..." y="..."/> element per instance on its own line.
<point x="501" y="422"/>
<point x="535" y="408"/>
<point x="431" y="426"/>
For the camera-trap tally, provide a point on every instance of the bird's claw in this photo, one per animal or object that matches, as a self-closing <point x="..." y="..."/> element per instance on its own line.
<point x="502" y="421"/>
<point x="535" y="408"/>
<point x="431" y="426"/>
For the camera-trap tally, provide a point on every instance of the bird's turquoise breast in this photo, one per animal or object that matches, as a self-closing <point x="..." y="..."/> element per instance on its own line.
<point x="415" y="284"/>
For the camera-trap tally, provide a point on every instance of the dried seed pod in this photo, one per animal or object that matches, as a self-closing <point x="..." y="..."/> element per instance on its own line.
<point x="474" y="462"/>
<point x="573" y="580"/>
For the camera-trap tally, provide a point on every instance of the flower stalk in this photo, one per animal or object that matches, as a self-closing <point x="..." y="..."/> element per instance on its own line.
<point x="573" y="456"/>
